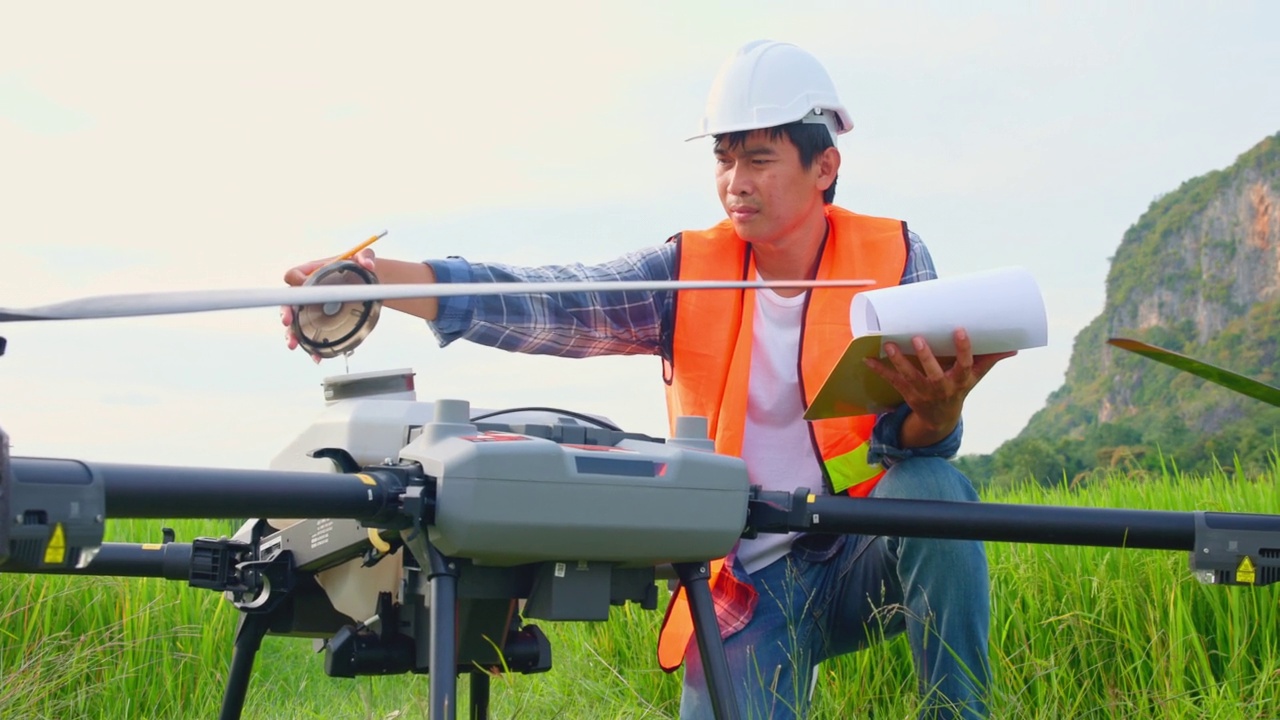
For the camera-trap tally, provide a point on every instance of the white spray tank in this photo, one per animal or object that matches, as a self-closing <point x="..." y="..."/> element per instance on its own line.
<point x="370" y="416"/>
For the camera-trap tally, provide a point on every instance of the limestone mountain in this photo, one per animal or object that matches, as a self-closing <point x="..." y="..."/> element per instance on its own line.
<point x="1198" y="273"/>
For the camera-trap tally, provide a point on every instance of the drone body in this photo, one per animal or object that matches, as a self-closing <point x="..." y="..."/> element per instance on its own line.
<point x="514" y="487"/>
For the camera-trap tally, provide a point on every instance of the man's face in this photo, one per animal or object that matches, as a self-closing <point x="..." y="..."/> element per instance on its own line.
<point x="765" y="190"/>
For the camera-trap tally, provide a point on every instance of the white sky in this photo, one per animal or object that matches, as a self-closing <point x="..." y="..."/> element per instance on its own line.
<point x="162" y="146"/>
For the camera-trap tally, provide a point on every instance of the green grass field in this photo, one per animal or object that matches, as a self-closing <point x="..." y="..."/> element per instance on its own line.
<point x="1076" y="633"/>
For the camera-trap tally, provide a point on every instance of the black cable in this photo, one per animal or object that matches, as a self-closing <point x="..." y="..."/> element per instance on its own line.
<point x="568" y="413"/>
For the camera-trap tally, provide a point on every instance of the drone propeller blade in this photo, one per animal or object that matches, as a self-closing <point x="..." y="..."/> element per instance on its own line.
<point x="176" y="303"/>
<point x="1232" y="381"/>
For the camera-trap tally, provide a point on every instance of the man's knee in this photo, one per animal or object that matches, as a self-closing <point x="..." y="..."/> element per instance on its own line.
<point x="925" y="478"/>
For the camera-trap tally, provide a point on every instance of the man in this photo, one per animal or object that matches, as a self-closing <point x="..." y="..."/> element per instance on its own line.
<point x="751" y="362"/>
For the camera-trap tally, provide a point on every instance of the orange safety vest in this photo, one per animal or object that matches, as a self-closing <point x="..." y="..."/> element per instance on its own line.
<point x="711" y="357"/>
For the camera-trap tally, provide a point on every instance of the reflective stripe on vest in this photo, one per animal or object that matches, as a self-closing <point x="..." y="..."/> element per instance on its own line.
<point x="711" y="357"/>
<point x="851" y="469"/>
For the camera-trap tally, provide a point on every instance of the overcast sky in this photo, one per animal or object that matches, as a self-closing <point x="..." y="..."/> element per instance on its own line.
<point x="162" y="146"/>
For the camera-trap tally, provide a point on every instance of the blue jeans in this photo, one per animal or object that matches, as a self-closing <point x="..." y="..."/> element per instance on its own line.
<point x="835" y="594"/>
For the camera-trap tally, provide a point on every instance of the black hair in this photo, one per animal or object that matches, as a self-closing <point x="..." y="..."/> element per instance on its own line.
<point x="811" y="139"/>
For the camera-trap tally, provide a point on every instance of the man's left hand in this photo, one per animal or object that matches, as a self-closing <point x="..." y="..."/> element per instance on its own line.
<point x="934" y="393"/>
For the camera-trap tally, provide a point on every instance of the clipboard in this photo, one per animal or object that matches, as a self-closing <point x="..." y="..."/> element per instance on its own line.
<point x="1001" y="309"/>
<point x="852" y="388"/>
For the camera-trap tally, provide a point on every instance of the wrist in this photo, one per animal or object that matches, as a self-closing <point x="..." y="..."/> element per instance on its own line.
<point x="918" y="431"/>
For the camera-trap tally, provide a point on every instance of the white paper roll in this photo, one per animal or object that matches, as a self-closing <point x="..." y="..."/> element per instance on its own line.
<point x="1001" y="310"/>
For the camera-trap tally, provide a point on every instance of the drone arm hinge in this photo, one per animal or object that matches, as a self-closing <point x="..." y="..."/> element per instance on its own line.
<point x="1236" y="549"/>
<point x="775" y="511"/>
<point x="415" y="507"/>
<point x="409" y="493"/>
<point x="253" y="584"/>
<point x="214" y="564"/>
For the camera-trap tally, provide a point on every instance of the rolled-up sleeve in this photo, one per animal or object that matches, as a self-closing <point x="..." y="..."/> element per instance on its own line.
<point x="454" y="313"/>
<point x="886" y="446"/>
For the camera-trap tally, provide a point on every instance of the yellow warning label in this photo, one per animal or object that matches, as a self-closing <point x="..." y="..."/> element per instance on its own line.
<point x="366" y="479"/>
<point x="1245" y="571"/>
<point x="56" y="552"/>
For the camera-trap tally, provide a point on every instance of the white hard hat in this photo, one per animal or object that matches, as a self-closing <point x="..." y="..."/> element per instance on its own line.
<point x="766" y="84"/>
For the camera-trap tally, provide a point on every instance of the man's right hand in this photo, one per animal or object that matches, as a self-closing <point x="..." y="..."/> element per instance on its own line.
<point x="295" y="276"/>
<point x="391" y="272"/>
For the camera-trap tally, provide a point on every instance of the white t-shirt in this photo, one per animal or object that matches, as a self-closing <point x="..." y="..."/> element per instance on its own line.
<point x="775" y="440"/>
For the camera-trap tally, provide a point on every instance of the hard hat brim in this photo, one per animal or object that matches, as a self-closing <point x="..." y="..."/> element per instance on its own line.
<point x="846" y="125"/>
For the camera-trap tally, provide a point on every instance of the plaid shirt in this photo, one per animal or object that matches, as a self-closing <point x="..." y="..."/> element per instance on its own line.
<point x="616" y="323"/>
<point x="628" y="323"/>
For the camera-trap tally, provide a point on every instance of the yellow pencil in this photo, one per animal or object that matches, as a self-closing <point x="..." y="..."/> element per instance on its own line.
<point x="352" y="252"/>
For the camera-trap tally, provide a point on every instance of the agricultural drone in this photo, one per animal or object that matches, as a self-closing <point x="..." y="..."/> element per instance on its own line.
<point x="409" y="536"/>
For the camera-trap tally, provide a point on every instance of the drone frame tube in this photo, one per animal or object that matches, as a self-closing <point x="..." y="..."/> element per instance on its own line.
<point x="1043" y="524"/>
<point x="1101" y="527"/>
<point x="156" y="491"/>
<point x="168" y="560"/>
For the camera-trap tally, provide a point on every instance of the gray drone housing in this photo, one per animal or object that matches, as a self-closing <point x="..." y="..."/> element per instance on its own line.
<point x="583" y="511"/>
<point x="507" y="498"/>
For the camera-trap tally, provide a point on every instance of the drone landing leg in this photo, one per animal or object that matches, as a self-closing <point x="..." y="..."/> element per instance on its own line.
<point x="442" y="653"/>
<point x="248" y="639"/>
<point x="694" y="578"/>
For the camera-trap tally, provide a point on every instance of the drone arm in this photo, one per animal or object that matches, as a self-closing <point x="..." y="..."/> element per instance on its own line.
<point x="1224" y="548"/>
<point x="776" y="512"/>
<point x="170" y="561"/>
<point x="52" y="511"/>
<point x="1103" y="527"/>
<point x="154" y="491"/>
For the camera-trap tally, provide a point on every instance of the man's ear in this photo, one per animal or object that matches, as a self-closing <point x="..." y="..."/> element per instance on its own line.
<point x="828" y="165"/>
